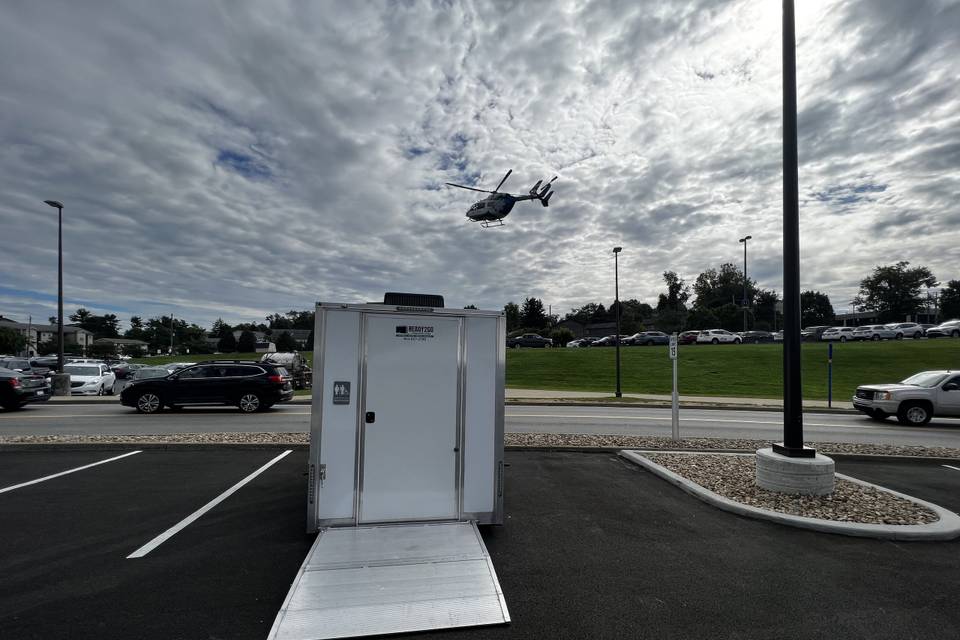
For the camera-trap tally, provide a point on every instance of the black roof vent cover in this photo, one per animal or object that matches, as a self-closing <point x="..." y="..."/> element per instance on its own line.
<point x="412" y="299"/>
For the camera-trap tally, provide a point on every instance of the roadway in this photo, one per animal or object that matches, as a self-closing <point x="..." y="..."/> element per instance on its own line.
<point x="110" y="419"/>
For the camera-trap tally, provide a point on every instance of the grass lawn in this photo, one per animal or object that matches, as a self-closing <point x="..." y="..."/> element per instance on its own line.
<point x="728" y="370"/>
<point x="749" y="370"/>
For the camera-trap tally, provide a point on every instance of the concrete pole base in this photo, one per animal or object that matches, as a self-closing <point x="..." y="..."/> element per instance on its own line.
<point x="60" y="382"/>
<point x="805" y="476"/>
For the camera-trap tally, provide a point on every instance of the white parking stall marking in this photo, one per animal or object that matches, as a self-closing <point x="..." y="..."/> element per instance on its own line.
<point x="63" y="473"/>
<point x="952" y="467"/>
<point x="193" y="517"/>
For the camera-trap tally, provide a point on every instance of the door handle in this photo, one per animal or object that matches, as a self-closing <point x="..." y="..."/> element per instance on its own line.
<point x="370" y="417"/>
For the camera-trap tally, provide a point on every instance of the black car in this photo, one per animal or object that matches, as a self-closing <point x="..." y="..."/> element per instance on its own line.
<point x="756" y="337"/>
<point x="529" y="340"/>
<point x="812" y="334"/>
<point x="252" y="386"/>
<point x="647" y="338"/>
<point x="18" y="389"/>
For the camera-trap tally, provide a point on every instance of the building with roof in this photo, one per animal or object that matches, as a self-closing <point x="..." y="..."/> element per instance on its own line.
<point x="37" y="334"/>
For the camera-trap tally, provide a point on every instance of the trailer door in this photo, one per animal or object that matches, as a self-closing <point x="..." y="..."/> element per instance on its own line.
<point x="409" y="455"/>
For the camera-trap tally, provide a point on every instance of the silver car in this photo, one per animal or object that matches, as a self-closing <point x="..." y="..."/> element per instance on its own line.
<point x="841" y="334"/>
<point x="906" y="330"/>
<point x="874" y="332"/>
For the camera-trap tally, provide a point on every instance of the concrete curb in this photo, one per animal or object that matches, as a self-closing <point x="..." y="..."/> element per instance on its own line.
<point x="539" y="402"/>
<point x="946" y="528"/>
<point x="533" y="402"/>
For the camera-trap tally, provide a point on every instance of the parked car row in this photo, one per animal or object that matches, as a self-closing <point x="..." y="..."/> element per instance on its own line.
<point x="874" y="332"/>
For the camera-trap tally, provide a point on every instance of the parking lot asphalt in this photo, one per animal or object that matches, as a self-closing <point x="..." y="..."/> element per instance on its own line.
<point x="592" y="547"/>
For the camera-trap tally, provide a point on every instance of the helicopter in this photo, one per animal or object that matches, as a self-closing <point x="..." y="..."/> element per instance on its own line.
<point x="491" y="211"/>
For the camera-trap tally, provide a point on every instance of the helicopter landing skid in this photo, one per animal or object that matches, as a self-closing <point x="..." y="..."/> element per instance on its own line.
<point x="489" y="223"/>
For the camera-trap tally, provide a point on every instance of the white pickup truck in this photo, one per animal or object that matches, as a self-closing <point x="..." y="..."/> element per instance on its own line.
<point x="914" y="400"/>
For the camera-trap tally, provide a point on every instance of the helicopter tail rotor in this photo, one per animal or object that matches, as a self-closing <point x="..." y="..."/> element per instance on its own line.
<point x="544" y="194"/>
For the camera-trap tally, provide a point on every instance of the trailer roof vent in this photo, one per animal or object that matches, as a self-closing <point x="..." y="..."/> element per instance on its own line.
<point x="413" y="300"/>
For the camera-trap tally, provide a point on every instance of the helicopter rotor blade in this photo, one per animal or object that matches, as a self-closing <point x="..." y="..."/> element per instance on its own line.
<point x="502" y="181"/>
<point x="470" y="188"/>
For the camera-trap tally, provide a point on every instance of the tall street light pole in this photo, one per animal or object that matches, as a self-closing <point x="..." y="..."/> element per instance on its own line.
<point x="745" y="281"/>
<point x="792" y="445"/>
<point x="616" y="301"/>
<point x="60" y="380"/>
<point x="59" y="208"/>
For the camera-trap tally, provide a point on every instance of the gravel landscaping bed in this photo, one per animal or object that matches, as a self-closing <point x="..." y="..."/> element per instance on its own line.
<point x="730" y="444"/>
<point x="732" y="476"/>
<point x="549" y="440"/>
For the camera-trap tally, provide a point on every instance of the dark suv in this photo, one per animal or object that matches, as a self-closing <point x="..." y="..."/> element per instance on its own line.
<point x="252" y="386"/>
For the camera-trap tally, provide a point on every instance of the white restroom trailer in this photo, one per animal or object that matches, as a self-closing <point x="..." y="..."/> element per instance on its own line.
<point x="407" y="418"/>
<point x="406" y="459"/>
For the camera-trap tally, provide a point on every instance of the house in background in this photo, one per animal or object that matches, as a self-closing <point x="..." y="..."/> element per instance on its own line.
<point x="37" y="334"/>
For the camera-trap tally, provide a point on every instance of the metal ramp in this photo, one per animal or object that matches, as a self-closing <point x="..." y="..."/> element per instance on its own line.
<point x="361" y="581"/>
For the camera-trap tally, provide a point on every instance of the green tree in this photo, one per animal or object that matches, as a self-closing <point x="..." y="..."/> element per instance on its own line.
<point x="247" y="342"/>
<point x="309" y="344"/>
<point x="11" y="341"/>
<point x="893" y="291"/>
<point x="105" y="326"/>
<point x="227" y="343"/>
<point x="765" y="316"/>
<point x="715" y="288"/>
<point x="677" y="294"/>
<point x="701" y="318"/>
<point x="285" y="342"/>
<point x="561" y="336"/>
<point x="729" y="316"/>
<point x="633" y="315"/>
<point x="277" y="321"/>
<point x="950" y="301"/>
<point x="220" y="328"/>
<point x="470" y="306"/>
<point x="136" y="330"/>
<point x="512" y="312"/>
<point x="815" y="309"/>
<point x="102" y="350"/>
<point x="532" y="314"/>
<point x="590" y="312"/>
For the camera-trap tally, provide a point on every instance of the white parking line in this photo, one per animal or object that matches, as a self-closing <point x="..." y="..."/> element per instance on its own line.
<point x="63" y="473"/>
<point x="952" y="467"/>
<point x="183" y="524"/>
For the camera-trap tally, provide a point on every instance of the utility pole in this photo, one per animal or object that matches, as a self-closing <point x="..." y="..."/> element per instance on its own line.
<point x="171" y="334"/>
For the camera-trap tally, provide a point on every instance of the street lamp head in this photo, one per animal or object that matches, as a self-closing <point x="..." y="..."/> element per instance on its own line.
<point x="744" y="239"/>
<point x="55" y="204"/>
<point x="617" y="249"/>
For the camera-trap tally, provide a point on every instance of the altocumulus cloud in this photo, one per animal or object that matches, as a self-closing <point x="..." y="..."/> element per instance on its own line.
<point x="238" y="158"/>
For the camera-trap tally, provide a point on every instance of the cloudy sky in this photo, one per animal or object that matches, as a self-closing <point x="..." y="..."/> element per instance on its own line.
<point x="233" y="159"/>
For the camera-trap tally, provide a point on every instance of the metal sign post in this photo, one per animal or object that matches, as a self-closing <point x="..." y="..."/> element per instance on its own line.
<point x="830" y="375"/>
<point x="675" y="399"/>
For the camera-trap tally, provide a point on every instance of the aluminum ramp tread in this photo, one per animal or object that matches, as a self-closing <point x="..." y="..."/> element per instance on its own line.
<point x="360" y="581"/>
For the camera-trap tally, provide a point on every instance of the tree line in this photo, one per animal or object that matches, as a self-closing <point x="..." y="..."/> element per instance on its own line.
<point x="893" y="292"/>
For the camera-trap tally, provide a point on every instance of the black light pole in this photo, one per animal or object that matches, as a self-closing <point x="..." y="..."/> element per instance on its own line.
<point x="745" y="281"/>
<point x="616" y="301"/>
<point x="792" y="445"/>
<point x="59" y="207"/>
